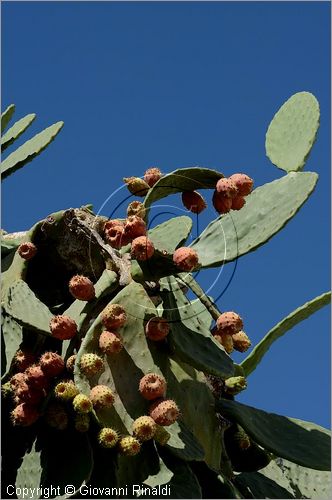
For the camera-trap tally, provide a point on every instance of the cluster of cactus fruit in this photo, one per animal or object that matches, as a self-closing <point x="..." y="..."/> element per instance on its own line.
<point x="111" y="355"/>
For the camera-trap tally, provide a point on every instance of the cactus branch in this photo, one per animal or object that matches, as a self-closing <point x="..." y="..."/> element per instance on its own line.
<point x="188" y="280"/>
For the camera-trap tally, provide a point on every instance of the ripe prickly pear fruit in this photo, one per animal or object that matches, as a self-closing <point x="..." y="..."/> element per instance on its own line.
<point x="229" y="322"/>
<point x="66" y="390"/>
<point x="152" y="386"/>
<point x="164" y="412"/>
<point x="70" y="363"/>
<point x="136" y="208"/>
<point x="24" y="414"/>
<point x="152" y="175"/>
<point x="221" y="204"/>
<point x="91" y="364"/>
<point x="108" y="437"/>
<point x="113" y="223"/>
<point x="23" y="359"/>
<point x="35" y="377"/>
<point x="56" y="416"/>
<point x="82" y="404"/>
<point x="113" y="316"/>
<point x="30" y="395"/>
<point x="144" y="428"/>
<point x="27" y="250"/>
<point x="63" y="327"/>
<point x="17" y="380"/>
<point x="243" y="182"/>
<point x="136" y="186"/>
<point x="161" y="436"/>
<point x="238" y="202"/>
<point x="142" y="248"/>
<point x="226" y="340"/>
<point x="134" y="227"/>
<point x="101" y="397"/>
<point x="186" y="259"/>
<point x="234" y="385"/>
<point x="82" y="288"/>
<point x="129" y="446"/>
<point x="82" y="422"/>
<point x="110" y="343"/>
<point x="157" y="328"/>
<point x="116" y="237"/>
<point x="227" y="188"/>
<point x="51" y="364"/>
<point x="193" y="201"/>
<point x="241" y="341"/>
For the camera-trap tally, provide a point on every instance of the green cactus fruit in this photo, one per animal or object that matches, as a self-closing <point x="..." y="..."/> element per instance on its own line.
<point x="108" y="437"/>
<point x="221" y="204"/>
<point x="7" y="390"/>
<point x="63" y="327"/>
<point x="229" y="322"/>
<point x="82" y="288"/>
<point x="242" y="438"/>
<point x="152" y="386"/>
<point x="157" y="328"/>
<point x="82" y="422"/>
<point x="66" y="390"/>
<point x="152" y="175"/>
<point x="24" y="415"/>
<point x="193" y="201"/>
<point x="144" y="428"/>
<point x="82" y="404"/>
<point x="244" y="184"/>
<point x="227" y="188"/>
<point x="70" y="363"/>
<point x="238" y="202"/>
<point x="185" y="259"/>
<point x="56" y="416"/>
<point x="161" y="436"/>
<point x="136" y="186"/>
<point x="27" y="250"/>
<point x="35" y="377"/>
<point x="136" y="208"/>
<point x="113" y="316"/>
<point x="241" y="341"/>
<point x="226" y="340"/>
<point x="164" y="412"/>
<point x="51" y="364"/>
<point x="91" y="364"/>
<point x="110" y="343"/>
<point x="234" y="385"/>
<point x="142" y="248"/>
<point x="101" y="397"/>
<point x="129" y="446"/>
<point x="250" y="459"/>
<point x="23" y="359"/>
<point x="134" y="227"/>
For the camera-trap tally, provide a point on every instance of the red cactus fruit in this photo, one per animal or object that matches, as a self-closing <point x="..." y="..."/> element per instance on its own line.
<point x="136" y="185"/>
<point x="116" y="237"/>
<point x="238" y="202"/>
<point x="226" y="340"/>
<point x="129" y="446"/>
<point x="56" y="416"/>
<point x="229" y="322"/>
<point x="185" y="258"/>
<point x="227" y="188"/>
<point x="18" y="380"/>
<point x="164" y="412"/>
<point x="152" y="386"/>
<point x="152" y="175"/>
<point x="134" y="227"/>
<point x="63" y="327"/>
<point x="110" y="343"/>
<point x="82" y="404"/>
<point x="66" y="390"/>
<point x="136" y="208"/>
<point x="113" y="223"/>
<point x="144" y="428"/>
<point x="113" y="316"/>
<point x="82" y="288"/>
<point x="101" y="397"/>
<point x="27" y="250"/>
<point x="51" y="364"/>
<point x="157" y="328"/>
<point x="35" y="377"/>
<point x="108" y="437"/>
<point x="24" y="415"/>
<point x="91" y="364"/>
<point x="23" y="359"/>
<point x="142" y="248"/>
<point x="82" y="422"/>
<point x="243" y="182"/>
<point x="221" y="204"/>
<point x="241" y="341"/>
<point x="70" y="363"/>
<point x="193" y="201"/>
<point x="30" y="395"/>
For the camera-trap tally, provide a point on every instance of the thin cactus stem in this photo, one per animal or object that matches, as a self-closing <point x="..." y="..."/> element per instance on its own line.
<point x="197" y="290"/>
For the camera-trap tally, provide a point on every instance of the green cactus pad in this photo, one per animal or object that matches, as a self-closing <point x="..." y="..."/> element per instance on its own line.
<point x="29" y="150"/>
<point x="16" y="130"/>
<point x="170" y="234"/>
<point x="6" y="116"/>
<point x="300" y="314"/>
<point x="183" y="179"/>
<point x="9" y="245"/>
<point x="304" y="443"/>
<point x="292" y="132"/>
<point x="267" y="211"/>
<point x="11" y="333"/>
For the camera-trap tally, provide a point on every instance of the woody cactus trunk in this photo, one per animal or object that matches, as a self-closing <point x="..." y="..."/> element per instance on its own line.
<point x="115" y="383"/>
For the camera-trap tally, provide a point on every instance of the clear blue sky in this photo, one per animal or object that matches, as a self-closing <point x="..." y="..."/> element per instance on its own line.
<point x="175" y="85"/>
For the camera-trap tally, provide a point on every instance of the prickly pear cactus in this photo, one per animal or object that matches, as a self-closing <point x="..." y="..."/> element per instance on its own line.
<point x="114" y="381"/>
